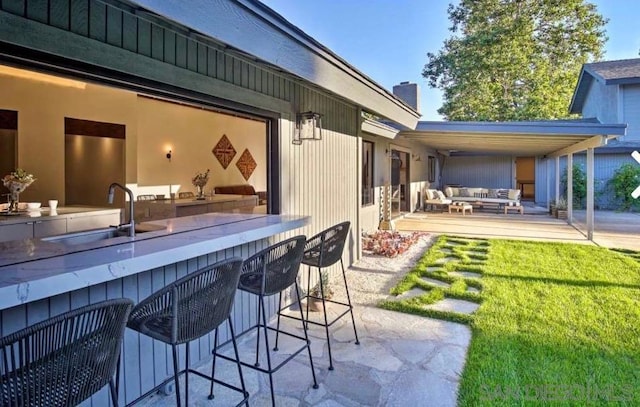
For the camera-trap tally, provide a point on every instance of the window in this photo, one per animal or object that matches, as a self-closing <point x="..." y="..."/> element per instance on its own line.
<point x="432" y="169"/>
<point x="367" y="173"/>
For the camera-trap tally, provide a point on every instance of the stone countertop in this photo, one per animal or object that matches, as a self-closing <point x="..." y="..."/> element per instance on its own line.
<point x="45" y="213"/>
<point x="34" y="269"/>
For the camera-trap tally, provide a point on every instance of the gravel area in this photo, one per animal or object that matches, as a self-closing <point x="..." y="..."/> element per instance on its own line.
<point x="371" y="278"/>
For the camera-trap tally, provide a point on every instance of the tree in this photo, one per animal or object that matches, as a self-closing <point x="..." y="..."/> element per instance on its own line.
<point x="514" y="59"/>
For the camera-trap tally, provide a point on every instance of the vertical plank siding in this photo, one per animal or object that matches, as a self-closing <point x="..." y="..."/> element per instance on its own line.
<point x="317" y="178"/>
<point x="480" y="171"/>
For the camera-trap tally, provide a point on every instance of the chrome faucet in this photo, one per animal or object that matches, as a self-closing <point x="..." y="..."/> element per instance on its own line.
<point x="131" y="225"/>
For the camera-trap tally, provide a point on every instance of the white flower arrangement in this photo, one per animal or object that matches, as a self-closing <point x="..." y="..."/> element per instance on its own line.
<point x="200" y="179"/>
<point x="18" y="180"/>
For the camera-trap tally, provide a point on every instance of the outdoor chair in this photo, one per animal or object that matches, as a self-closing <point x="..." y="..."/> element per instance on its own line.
<point x="267" y="273"/>
<point x="188" y="309"/>
<point x="321" y="251"/>
<point x="64" y="360"/>
<point x="186" y="195"/>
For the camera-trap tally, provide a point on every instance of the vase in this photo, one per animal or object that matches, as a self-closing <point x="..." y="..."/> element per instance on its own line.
<point x="200" y="191"/>
<point x="14" y="199"/>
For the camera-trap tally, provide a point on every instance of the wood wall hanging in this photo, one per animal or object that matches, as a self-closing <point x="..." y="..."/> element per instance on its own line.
<point x="246" y="164"/>
<point x="224" y="151"/>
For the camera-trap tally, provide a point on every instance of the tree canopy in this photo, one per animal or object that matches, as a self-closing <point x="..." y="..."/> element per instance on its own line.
<point x="514" y="59"/>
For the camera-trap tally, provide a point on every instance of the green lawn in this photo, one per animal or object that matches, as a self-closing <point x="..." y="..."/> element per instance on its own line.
<point x="559" y="324"/>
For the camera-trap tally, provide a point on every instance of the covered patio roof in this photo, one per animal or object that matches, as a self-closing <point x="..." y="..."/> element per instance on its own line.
<point x="538" y="138"/>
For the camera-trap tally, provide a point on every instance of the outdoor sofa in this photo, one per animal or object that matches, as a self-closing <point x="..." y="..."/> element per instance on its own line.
<point x="484" y="196"/>
<point x="242" y="189"/>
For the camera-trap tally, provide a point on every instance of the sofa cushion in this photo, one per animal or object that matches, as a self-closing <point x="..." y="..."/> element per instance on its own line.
<point x="492" y="193"/>
<point x="440" y="195"/>
<point x="448" y="191"/>
<point x="503" y="193"/>
<point x="463" y="192"/>
<point x="514" y="194"/>
<point x="431" y="194"/>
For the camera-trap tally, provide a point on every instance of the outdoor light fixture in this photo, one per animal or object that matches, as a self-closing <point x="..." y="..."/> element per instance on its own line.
<point x="308" y="127"/>
<point x="169" y="155"/>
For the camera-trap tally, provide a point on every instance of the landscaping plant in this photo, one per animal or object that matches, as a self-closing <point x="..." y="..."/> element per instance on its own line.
<point x="624" y="181"/>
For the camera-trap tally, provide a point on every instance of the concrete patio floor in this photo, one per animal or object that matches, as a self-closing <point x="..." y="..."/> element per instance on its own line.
<point x="402" y="359"/>
<point x="613" y="230"/>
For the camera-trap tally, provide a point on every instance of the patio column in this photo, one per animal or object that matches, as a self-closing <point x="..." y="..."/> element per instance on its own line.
<point x="547" y="172"/>
<point x="590" y="194"/>
<point x="570" y="188"/>
<point x="557" y="179"/>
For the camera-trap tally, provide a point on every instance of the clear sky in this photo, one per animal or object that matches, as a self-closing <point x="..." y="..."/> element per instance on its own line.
<point x="388" y="40"/>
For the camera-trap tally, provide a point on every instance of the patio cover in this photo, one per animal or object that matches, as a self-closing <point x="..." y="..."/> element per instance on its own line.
<point x="537" y="138"/>
<point x="549" y="139"/>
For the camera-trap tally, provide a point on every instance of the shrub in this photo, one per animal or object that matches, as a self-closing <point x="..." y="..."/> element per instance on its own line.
<point x="579" y="186"/>
<point x="624" y="181"/>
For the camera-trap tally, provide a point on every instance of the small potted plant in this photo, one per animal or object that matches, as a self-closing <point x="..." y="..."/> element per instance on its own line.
<point x="315" y="295"/>
<point x="561" y="208"/>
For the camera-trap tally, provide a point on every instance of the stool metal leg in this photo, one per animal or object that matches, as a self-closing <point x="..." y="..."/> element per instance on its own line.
<point x="213" y="362"/>
<point x="306" y="336"/>
<point x="174" y="350"/>
<point x="245" y="394"/>
<point x="186" y="375"/>
<point x="326" y="321"/>
<point x="257" y="364"/>
<point x="346" y="287"/>
<point x="275" y="348"/>
<point x="266" y="343"/>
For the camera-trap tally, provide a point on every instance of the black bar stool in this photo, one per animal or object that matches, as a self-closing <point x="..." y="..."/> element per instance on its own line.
<point x="324" y="250"/>
<point x="64" y="360"/>
<point x="188" y="309"/>
<point x="264" y="274"/>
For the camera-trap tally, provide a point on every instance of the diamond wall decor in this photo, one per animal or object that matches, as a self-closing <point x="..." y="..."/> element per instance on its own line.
<point x="224" y="151"/>
<point x="246" y="164"/>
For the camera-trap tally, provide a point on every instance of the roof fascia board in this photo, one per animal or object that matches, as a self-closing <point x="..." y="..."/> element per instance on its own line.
<point x="593" y="142"/>
<point x="522" y="128"/>
<point x="255" y="29"/>
<point x="623" y="81"/>
<point x="379" y="129"/>
<point x="580" y="92"/>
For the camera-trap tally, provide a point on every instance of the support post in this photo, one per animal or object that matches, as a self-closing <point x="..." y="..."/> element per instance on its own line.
<point x="590" y="194"/>
<point x="557" y="179"/>
<point x="570" y="188"/>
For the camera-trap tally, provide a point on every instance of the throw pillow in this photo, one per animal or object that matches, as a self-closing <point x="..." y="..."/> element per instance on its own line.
<point x="448" y="192"/>
<point x="431" y="194"/>
<point x="514" y="194"/>
<point x="503" y="193"/>
<point x="440" y="195"/>
<point x="464" y="192"/>
<point x="479" y="194"/>
<point x="493" y="193"/>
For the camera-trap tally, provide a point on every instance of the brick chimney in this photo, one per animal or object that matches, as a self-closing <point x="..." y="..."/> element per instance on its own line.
<point x="409" y="92"/>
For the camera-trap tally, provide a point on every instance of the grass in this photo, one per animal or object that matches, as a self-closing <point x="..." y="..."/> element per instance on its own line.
<point x="559" y="324"/>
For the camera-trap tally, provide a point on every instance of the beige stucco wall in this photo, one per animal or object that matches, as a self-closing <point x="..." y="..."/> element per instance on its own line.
<point x="191" y="134"/>
<point x="42" y="102"/>
<point x="152" y="128"/>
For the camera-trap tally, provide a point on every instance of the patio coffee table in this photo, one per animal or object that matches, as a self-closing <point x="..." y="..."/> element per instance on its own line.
<point x="461" y="207"/>
<point x="517" y="208"/>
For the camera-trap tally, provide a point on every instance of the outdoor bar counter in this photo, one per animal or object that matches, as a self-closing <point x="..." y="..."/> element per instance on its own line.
<point x="40" y="279"/>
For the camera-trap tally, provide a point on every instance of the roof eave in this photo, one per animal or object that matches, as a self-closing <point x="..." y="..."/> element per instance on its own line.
<point x="254" y="28"/>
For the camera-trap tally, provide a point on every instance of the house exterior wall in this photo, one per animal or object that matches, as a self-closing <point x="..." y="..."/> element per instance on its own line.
<point x="479" y="171"/>
<point x="601" y="102"/>
<point x="370" y="215"/>
<point x="631" y="112"/>
<point x="318" y="178"/>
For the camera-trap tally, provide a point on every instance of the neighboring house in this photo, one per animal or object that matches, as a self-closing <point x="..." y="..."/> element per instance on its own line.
<point x="609" y="92"/>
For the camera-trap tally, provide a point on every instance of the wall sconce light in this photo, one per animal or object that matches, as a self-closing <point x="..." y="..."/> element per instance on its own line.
<point x="308" y="127"/>
<point x="169" y="155"/>
<point x="416" y="157"/>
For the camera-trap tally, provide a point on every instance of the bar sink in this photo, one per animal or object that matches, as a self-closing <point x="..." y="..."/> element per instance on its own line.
<point x="88" y="236"/>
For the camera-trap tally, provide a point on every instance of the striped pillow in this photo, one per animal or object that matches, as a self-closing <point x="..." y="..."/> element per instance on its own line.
<point x="503" y="193"/>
